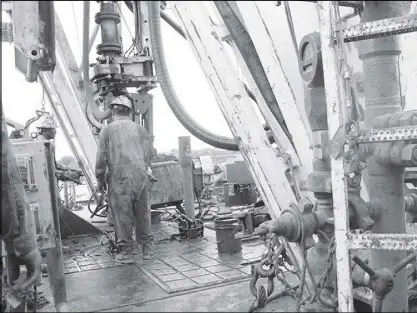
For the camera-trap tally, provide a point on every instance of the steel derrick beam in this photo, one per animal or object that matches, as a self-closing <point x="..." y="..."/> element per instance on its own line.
<point x="271" y="61"/>
<point x="239" y="113"/>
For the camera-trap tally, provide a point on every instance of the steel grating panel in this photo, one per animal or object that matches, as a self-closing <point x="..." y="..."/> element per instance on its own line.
<point x="382" y="241"/>
<point x="381" y="28"/>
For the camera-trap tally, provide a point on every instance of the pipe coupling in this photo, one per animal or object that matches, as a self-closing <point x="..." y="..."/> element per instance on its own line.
<point x="411" y="207"/>
<point x="396" y="154"/>
<point x="297" y="222"/>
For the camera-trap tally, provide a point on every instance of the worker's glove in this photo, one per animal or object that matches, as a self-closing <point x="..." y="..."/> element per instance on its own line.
<point x="265" y="228"/>
<point x="69" y="175"/>
<point x="33" y="263"/>
<point x="150" y="175"/>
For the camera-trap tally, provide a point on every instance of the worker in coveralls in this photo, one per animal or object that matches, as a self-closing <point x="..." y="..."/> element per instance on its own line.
<point x="125" y="149"/>
<point x="47" y="130"/>
<point x="18" y="227"/>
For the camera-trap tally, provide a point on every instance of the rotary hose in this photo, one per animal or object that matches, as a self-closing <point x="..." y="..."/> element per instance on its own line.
<point x="167" y="87"/>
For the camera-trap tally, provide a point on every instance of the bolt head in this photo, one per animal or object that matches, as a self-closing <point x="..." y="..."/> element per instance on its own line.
<point x="305" y="205"/>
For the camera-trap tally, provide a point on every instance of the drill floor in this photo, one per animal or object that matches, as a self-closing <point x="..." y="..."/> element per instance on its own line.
<point x="176" y="265"/>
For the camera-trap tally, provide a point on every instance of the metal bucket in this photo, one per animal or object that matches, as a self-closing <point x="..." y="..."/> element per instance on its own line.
<point x="226" y="229"/>
<point x="155" y="217"/>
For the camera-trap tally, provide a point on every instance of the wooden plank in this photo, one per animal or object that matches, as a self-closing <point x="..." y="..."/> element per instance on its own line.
<point x="282" y="141"/>
<point x="284" y="94"/>
<point x="340" y="197"/>
<point x="238" y="111"/>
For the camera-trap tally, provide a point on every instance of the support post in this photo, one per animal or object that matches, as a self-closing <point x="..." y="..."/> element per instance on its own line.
<point x="187" y="175"/>
<point x="334" y="120"/>
<point x="54" y="256"/>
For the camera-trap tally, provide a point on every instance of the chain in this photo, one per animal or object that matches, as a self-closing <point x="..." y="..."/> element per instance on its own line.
<point x="329" y="266"/>
<point x="272" y="243"/>
<point x="287" y="159"/>
<point x="43" y="100"/>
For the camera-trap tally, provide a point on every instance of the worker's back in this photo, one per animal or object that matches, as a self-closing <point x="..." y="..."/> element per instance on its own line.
<point x="128" y="147"/>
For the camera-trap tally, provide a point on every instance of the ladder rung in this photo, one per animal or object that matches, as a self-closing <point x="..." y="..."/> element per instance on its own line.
<point x="380" y="28"/>
<point x="388" y="134"/>
<point x="382" y="241"/>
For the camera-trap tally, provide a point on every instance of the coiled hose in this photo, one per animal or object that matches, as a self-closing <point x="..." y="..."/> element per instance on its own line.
<point x="169" y="92"/>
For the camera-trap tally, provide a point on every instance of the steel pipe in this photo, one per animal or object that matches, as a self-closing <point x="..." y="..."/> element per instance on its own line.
<point x="32" y="71"/>
<point x="32" y="65"/>
<point x="99" y="115"/>
<point x="380" y="59"/>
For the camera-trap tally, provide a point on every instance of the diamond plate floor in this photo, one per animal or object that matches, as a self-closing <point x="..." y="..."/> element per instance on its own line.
<point x="177" y="267"/>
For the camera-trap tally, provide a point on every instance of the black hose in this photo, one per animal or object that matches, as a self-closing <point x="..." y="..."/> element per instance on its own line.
<point x="97" y="209"/>
<point x="99" y="115"/>
<point x="91" y="118"/>
<point x="169" y="92"/>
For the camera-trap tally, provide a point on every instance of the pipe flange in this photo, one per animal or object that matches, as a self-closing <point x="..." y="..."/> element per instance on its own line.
<point x="36" y="53"/>
<point x="109" y="47"/>
<point x="100" y="16"/>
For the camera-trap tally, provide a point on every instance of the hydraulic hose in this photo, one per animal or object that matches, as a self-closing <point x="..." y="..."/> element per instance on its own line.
<point x="180" y="32"/>
<point x="98" y="115"/>
<point x="167" y="87"/>
<point x="91" y="118"/>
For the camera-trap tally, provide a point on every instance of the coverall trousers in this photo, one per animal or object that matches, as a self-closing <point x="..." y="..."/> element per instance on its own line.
<point x="129" y="203"/>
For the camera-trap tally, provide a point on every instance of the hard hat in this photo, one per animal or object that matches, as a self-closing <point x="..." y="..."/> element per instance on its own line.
<point x="47" y="121"/>
<point x="122" y="100"/>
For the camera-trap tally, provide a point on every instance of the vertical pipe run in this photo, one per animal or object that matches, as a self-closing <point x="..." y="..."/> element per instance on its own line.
<point x="109" y="18"/>
<point x="54" y="256"/>
<point x="66" y="194"/>
<point x="383" y="95"/>
<point x="187" y="175"/>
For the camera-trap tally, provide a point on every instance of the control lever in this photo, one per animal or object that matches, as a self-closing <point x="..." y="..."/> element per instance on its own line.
<point x="381" y="281"/>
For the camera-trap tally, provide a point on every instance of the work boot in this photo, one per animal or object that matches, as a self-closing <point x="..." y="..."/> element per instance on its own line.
<point x="147" y="252"/>
<point x="125" y="256"/>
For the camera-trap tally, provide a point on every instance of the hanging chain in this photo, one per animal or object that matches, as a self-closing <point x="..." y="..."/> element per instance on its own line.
<point x="43" y="100"/>
<point x="329" y="266"/>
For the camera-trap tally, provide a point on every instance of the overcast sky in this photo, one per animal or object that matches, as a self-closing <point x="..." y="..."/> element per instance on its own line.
<point x="21" y="99"/>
